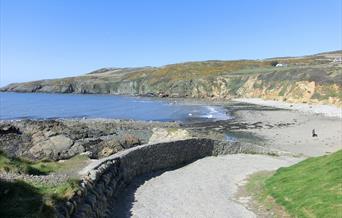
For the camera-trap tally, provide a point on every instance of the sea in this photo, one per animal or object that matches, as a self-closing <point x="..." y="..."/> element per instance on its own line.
<point x="17" y="106"/>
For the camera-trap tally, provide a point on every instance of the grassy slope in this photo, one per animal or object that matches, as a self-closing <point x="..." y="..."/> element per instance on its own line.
<point x="16" y="165"/>
<point x="311" y="188"/>
<point x="205" y="69"/>
<point x="33" y="199"/>
<point x="21" y="199"/>
<point x="211" y="69"/>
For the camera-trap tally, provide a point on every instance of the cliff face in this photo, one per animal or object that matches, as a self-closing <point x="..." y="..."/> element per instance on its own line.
<point x="310" y="79"/>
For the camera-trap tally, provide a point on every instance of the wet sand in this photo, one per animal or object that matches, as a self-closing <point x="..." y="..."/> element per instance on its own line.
<point x="296" y="136"/>
<point x="326" y="110"/>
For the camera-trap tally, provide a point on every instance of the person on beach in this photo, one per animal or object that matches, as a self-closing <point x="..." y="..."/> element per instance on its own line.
<point x="314" y="133"/>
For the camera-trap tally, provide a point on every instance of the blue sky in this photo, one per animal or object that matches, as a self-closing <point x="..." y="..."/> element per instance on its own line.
<point x="43" y="39"/>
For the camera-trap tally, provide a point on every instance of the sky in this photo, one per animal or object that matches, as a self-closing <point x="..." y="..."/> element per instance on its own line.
<point x="42" y="39"/>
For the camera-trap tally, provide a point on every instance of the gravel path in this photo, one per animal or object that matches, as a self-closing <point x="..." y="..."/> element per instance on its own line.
<point x="204" y="188"/>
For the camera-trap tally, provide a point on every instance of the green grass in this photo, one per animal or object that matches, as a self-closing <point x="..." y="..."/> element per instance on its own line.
<point x="284" y="86"/>
<point x="329" y="91"/>
<point x="193" y="70"/>
<point x="17" y="165"/>
<point x="311" y="188"/>
<point x="34" y="199"/>
<point x="255" y="187"/>
<point x="65" y="166"/>
<point x="235" y="84"/>
<point x="21" y="199"/>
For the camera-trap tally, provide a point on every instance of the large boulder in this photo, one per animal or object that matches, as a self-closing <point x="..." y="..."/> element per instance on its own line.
<point x="164" y="135"/>
<point x="55" y="147"/>
<point x="128" y="140"/>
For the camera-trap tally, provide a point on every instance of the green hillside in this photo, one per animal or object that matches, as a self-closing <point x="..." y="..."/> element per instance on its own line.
<point x="311" y="188"/>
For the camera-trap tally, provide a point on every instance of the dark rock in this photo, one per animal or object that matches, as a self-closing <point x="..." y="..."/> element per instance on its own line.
<point x="6" y="129"/>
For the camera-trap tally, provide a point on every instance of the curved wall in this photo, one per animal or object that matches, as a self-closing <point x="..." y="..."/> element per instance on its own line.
<point x="104" y="179"/>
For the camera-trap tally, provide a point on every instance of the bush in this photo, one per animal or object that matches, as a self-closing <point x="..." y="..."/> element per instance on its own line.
<point x="274" y="63"/>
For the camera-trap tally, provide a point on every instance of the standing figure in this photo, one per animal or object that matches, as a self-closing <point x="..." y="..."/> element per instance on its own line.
<point x="314" y="133"/>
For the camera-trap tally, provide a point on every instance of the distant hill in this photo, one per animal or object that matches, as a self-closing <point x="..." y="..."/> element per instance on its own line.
<point x="309" y="79"/>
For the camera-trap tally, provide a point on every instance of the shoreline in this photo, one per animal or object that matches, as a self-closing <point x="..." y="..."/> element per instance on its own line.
<point x="111" y="107"/>
<point x="283" y="129"/>
<point x="326" y="110"/>
<point x="329" y="110"/>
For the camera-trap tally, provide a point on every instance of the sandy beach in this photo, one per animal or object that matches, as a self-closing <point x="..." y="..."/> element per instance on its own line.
<point x="326" y="110"/>
<point x="291" y="130"/>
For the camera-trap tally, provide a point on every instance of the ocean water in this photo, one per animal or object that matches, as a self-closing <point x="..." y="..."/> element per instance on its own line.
<point x="47" y="106"/>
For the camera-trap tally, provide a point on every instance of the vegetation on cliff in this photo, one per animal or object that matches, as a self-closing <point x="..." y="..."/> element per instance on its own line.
<point x="311" y="79"/>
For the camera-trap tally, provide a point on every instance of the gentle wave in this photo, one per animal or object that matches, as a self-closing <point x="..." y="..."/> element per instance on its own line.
<point x="14" y="106"/>
<point x="216" y="113"/>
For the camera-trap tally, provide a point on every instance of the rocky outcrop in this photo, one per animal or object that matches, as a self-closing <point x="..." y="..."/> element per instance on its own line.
<point x="63" y="139"/>
<point x="55" y="147"/>
<point x="103" y="180"/>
